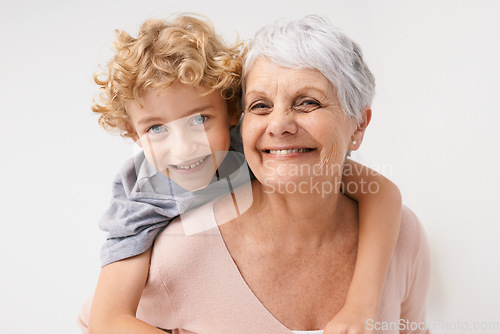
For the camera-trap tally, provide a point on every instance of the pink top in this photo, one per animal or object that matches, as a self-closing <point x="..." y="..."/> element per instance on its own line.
<point x="194" y="286"/>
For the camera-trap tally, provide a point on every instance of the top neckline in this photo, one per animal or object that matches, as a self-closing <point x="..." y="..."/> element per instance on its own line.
<point x="247" y="288"/>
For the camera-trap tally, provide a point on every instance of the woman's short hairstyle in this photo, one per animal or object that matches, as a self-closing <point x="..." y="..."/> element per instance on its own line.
<point x="185" y="50"/>
<point x="313" y="42"/>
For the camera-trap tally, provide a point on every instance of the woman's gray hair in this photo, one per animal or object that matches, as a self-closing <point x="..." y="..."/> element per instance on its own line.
<point x="313" y="42"/>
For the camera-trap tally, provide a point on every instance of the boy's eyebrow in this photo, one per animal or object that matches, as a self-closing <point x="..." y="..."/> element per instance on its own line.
<point x="149" y="120"/>
<point x="196" y="110"/>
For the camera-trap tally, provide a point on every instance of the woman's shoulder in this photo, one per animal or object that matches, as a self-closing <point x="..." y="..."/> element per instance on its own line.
<point x="412" y="250"/>
<point x="197" y="229"/>
<point x="410" y="270"/>
<point x="186" y="237"/>
<point x="412" y="234"/>
<point x="185" y="256"/>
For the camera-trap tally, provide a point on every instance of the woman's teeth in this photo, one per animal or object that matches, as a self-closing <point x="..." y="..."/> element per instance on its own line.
<point x="193" y="165"/>
<point x="289" y="151"/>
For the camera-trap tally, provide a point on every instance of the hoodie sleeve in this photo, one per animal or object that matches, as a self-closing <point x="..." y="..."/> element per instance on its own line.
<point x="132" y="222"/>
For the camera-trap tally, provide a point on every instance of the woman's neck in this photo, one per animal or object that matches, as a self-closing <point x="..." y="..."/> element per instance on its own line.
<point x="298" y="218"/>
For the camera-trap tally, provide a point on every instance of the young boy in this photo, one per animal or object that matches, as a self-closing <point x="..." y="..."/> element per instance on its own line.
<point x="175" y="90"/>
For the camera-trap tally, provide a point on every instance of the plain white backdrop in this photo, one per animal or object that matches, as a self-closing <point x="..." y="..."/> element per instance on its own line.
<point x="434" y="132"/>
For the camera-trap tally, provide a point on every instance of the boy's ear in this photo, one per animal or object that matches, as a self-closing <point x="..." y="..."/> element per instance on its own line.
<point x="133" y="133"/>
<point x="234" y="118"/>
<point x="234" y="110"/>
<point x="136" y="139"/>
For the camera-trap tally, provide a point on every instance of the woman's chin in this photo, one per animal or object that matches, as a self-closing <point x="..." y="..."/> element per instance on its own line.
<point x="303" y="185"/>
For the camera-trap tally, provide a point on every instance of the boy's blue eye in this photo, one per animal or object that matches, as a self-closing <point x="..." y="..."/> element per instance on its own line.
<point x="156" y="129"/>
<point x="199" y="119"/>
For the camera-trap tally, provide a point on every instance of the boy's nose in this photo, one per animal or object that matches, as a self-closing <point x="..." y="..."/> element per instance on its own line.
<point x="184" y="143"/>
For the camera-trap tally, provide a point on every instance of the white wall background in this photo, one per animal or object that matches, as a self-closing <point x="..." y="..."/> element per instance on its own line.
<point x="434" y="132"/>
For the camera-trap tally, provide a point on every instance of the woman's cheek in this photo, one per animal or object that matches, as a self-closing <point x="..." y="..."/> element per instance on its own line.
<point x="334" y="150"/>
<point x="247" y="131"/>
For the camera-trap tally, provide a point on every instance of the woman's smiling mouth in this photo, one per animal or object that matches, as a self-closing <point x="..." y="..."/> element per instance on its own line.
<point x="288" y="151"/>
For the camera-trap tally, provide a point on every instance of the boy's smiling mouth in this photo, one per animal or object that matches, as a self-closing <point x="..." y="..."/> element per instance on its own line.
<point x="190" y="164"/>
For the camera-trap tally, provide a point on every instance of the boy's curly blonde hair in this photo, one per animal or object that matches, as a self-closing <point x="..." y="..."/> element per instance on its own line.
<point x="185" y="50"/>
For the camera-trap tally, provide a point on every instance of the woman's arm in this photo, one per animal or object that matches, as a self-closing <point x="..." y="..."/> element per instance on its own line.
<point x="379" y="203"/>
<point x="117" y="296"/>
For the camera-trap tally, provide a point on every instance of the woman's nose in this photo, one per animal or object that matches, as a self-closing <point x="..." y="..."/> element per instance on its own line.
<point x="282" y="122"/>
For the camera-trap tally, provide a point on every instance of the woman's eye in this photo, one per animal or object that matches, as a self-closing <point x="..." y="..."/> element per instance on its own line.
<point x="307" y="105"/>
<point x="259" y="108"/>
<point x="199" y="119"/>
<point x="156" y="129"/>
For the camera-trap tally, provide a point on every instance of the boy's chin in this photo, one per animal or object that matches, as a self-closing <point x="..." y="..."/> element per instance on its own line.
<point x="194" y="185"/>
<point x="191" y="183"/>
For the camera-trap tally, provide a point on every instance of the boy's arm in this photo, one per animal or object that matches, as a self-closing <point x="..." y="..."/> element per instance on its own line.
<point x="117" y="296"/>
<point x="379" y="223"/>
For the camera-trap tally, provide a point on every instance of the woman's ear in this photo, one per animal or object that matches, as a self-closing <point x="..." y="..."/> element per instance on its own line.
<point x="357" y="137"/>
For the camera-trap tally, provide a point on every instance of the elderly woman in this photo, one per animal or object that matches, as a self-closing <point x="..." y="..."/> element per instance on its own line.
<point x="286" y="263"/>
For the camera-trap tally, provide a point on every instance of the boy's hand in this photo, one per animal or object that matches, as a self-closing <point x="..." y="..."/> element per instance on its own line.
<point x="348" y="322"/>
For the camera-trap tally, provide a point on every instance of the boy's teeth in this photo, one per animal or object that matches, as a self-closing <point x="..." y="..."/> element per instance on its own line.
<point x="190" y="166"/>
<point x="292" y="150"/>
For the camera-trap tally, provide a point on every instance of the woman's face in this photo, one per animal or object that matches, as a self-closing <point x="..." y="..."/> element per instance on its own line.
<point x="294" y="129"/>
